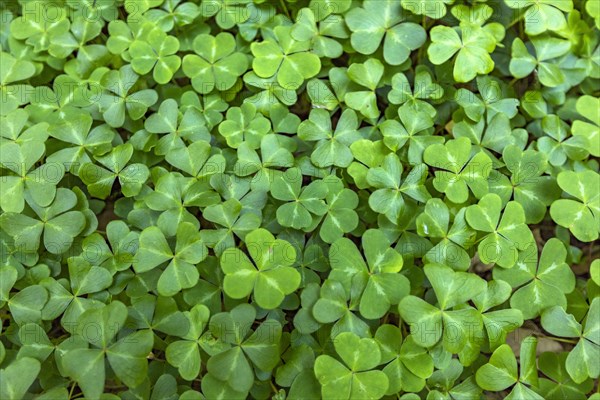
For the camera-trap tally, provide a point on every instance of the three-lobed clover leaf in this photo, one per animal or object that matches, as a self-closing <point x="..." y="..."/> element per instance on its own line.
<point x="580" y="362"/>
<point x="274" y="153"/>
<point x="453" y="326"/>
<point x="581" y="216"/>
<point x="269" y="276"/>
<point x="244" y="125"/>
<point x="388" y="199"/>
<point x="542" y="16"/>
<point x="539" y="285"/>
<point x="302" y="203"/>
<point x="407" y="364"/>
<point x="341" y="216"/>
<point x="459" y="168"/>
<point x="156" y="52"/>
<point x="527" y="184"/>
<point x="332" y="147"/>
<point x="522" y="63"/>
<point x="367" y="75"/>
<point x="216" y="64"/>
<point x="414" y="98"/>
<point x="227" y="13"/>
<point x="377" y="19"/>
<point x="177" y="126"/>
<point x="288" y="59"/>
<point x="451" y="249"/>
<point x="558" y="145"/>
<point x="336" y="305"/>
<point x="559" y="383"/>
<point x="472" y="48"/>
<point x="100" y="180"/>
<point x="117" y="99"/>
<point x="379" y="279"/>
<point x="126" y="356"/>
<point x="181" y="272"/>
<point x="238" y="350"/>
<point x="39" y="184"/>
<point x="591" y="130"/>
<point x="506" y="232"/>
<point x="185" y="354"/>
<point x="496" y="321"/>
<point x="355" y="378"/>
<point x="59" y="222"/>
<point x="502" y="372"/>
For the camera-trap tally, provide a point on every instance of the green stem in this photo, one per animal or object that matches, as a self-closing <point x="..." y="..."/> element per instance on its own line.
<point x="71" y="391"/>
<point x="571" y="341"/>
<point x="285" y="9"/>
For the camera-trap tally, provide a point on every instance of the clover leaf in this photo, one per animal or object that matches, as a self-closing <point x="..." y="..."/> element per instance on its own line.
<point x="81" y="141"/>
<point x="429" y="324"/>
<point x="407" y="364"/>
<point x="288" y="59"/>
<point x="459" y="169"/>
<point x="177" y="126"/>
<point x="376" y="19"/>
<point x="472" y="48"/>
<point x="414" y="98"/>
<point x="583" y="128"/>
<point x="501" y="372"/>
<point x="231" y="366"/>
<point x="540" y="285"/>
<point x="39" y="184"/>
<point x="557" y="145"/>
<point x="301" y="203"/>
<point x="544" y="16"/>
<point x="341" y="217"/>
<point x="523" y="63"/>
<point x="559" y="383"/>
<point x="227" y="13"/>
<point x="185" y="354"/>
<point x="357" y="377"/>
<point x="580" y="361"/>
<point x="117" y="100"/>
<point x="244" y="125"/>
<point x="100" y="180"/>
<point x="336" y="305"/>
<point x="382" y="284"/>
<point x="497" y="322"/>
<point x="18" y="376"/>
<point x="155" y="51"/>
<point x="332" y="145"/>
<point x="527" y="186"/>
<point x="269" y="275"/>
<point x="58" y="222"/>
<point x="126" y="356"/>
<point x="581" y="217"/>
<point x="507" y="235"/>
<point x="181" y="272"/>
<point x="324" y="33"/>
<point x="233" y="219"/>
<point x="434" y="222"/>
<point x="263" y="168"/>
<point x="217" y="64"/>
<point x="388" y="199"/>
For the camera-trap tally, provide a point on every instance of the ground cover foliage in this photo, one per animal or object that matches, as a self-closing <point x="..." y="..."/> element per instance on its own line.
<point x="230" y="199"/>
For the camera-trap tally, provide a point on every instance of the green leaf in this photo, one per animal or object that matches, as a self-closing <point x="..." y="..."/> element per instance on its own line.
<point x="269" y="275"/>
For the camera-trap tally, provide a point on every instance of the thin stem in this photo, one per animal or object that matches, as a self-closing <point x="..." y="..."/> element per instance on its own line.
<point x="285" y="9"/>
<point x="558" y="339"/>
<point x="71" y="391"/>
<point x="273" y="387"/>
